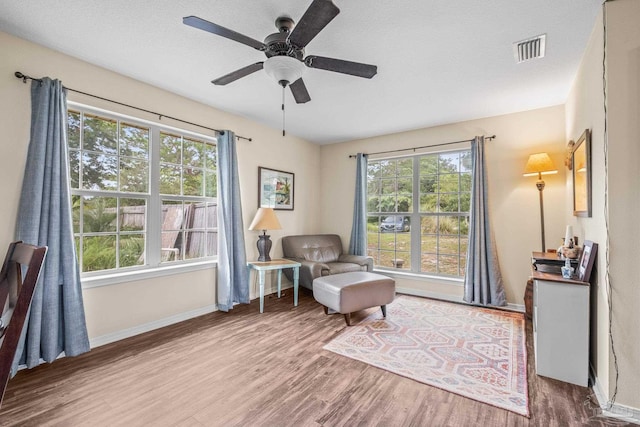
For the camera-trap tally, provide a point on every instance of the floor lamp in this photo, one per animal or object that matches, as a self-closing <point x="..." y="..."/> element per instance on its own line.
<point x="540" y="164"/>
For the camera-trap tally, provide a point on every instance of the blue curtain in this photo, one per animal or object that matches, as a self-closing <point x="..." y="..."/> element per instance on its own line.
<point x="358" y="242"/>
<point x="56" y="322"/>
<point x="233" y="276"/>
<point x="483" y="281"/>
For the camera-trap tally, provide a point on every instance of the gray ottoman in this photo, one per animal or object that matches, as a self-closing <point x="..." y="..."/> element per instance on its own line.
<point x="346" y="293"/>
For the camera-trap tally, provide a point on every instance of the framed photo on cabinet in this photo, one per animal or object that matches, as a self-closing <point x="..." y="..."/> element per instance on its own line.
<point x="587" y="259"/>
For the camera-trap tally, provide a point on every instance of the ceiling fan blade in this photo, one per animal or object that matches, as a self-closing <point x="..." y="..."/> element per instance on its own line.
<point x="317" y="16"/>
<point x="237" y="74"/>
<point x="341" y="66"/>
<point x="201" y="24"/>
<point x="299" y="91"/>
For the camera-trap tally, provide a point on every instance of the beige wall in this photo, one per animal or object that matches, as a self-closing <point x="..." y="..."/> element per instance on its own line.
<point x="113" y="308"/>
<point x="622" y="194"/>
<point x="513" y="198"/>
<point x="584" y="110"/>
<point x="623" y="92"/>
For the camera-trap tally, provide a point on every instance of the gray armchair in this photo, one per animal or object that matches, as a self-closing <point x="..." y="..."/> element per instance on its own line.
<point x="320" y="255"/>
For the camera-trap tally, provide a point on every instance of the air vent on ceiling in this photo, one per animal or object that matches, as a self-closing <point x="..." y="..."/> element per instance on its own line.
<point x="532" y="48"/>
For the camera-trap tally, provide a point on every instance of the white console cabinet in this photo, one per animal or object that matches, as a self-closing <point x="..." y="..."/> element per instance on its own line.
<point x="561" y="328"/>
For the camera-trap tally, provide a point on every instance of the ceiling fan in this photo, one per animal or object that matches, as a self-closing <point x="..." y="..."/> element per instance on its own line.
<point x="285" y="49"/>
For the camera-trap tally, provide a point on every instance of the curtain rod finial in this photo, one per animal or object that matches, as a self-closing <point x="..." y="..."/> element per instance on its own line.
<point x="19" y="75"/>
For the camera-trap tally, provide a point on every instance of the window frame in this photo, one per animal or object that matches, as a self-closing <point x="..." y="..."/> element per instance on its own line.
<point x="153" y="266"/>
<point x="415" y="216"/>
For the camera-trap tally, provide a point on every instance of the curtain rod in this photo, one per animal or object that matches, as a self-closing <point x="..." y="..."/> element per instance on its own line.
<point x="24" y="78"/>
<point x="351" y="156"/>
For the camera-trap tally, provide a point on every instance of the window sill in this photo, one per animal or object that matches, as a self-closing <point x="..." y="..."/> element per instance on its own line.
<point x="456" y="281"/>
<point x="107" y="279"/>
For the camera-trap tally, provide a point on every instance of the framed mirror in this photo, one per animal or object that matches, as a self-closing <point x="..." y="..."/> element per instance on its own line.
<point x="581" y="162"/>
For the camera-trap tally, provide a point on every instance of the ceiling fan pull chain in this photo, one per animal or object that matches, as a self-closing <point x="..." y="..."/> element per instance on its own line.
<point x="283" y="132"/>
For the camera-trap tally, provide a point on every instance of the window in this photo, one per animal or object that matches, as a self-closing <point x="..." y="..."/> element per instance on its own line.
<point x="418" y="212"/>
<point x="143" y="195"/>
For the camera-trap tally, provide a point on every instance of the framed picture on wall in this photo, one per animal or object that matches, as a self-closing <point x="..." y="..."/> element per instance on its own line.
<point x="581" y="167"/>
<point x="588" y="258"/>
<point x="275" y="189"/>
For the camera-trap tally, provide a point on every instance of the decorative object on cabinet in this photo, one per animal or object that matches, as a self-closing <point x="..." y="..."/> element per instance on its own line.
<point x="568" y="237"/>
<point x="567" y="270"/>
<point x="540" y="164"/>
<point x="581" y="160"/>
<point x="589" y="252"/>
<point x="264" y="220"/>
<point x="572" y="252"/>
<point x="569" y="248"/>
<point x="275" y="189"/>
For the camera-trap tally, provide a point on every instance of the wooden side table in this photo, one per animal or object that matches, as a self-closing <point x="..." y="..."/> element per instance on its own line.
<point x="276" y="264"/>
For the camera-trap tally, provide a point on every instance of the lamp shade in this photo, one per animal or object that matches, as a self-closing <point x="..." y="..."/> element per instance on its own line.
<point x="539" y="163"/>
<point x="265" y="219"/>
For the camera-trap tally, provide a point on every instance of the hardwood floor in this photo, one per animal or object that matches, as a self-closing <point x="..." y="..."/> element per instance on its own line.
<point x="249" y="369"/>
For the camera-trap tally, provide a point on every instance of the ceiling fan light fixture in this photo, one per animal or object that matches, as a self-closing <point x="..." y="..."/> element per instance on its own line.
<point x="284" y="69"/>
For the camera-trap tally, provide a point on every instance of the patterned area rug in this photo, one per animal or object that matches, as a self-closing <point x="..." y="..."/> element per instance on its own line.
<point x="474" y="352"/>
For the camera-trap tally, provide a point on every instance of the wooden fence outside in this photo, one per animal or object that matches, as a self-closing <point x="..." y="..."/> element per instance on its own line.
<point x="189" y="225"/>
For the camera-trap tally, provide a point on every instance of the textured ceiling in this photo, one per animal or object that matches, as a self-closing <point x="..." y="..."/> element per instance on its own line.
<point x="439" y="61"/>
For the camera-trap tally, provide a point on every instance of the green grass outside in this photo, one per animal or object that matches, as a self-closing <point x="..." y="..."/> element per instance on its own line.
<point x="439" y="253"/>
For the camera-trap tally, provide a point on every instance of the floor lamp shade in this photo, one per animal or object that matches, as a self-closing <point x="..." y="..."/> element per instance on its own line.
<point x="264" y="220"/>
<point x="540" y="164"/>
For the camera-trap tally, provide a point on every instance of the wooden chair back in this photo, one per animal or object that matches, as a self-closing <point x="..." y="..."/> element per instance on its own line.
<point x="15" y="299"/>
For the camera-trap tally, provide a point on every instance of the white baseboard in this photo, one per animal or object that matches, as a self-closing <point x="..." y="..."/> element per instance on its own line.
<point x="613" y="413"/>
<point x="451" y="298"/>
<point x="156" y="324"/>
<point x="514" y="307"/>
<point x="428" y="294"/>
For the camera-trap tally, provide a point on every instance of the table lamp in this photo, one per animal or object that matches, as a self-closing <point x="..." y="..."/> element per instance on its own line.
<point x="540" y="164"/>
<point x="264" y="220"/>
